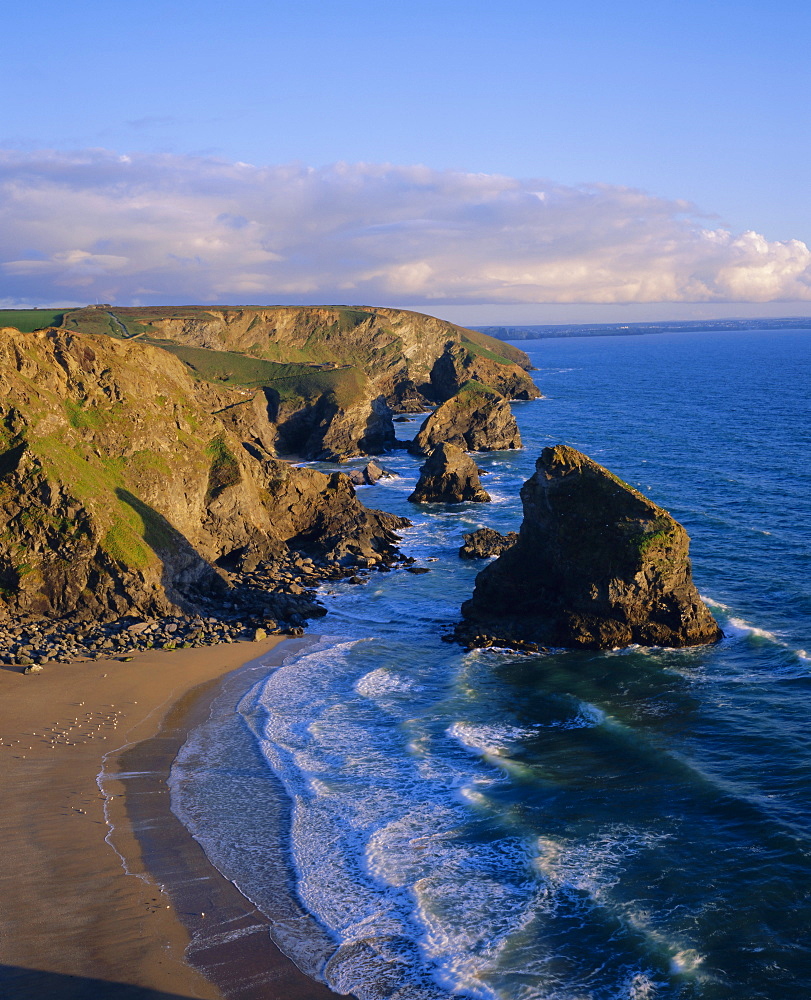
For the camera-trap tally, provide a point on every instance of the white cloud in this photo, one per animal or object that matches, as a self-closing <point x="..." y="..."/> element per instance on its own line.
<point x="145" y="228"/>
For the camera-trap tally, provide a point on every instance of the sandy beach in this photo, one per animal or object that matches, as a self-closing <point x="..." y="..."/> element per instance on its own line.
<point x="73" y="922"/>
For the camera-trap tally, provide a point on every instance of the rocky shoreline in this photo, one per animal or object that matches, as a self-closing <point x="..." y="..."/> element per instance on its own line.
<point x="273" y="599"/>
<point x="141" y="490"/>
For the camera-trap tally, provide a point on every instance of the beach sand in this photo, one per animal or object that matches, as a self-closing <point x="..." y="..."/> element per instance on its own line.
<point x="73" y="923"/>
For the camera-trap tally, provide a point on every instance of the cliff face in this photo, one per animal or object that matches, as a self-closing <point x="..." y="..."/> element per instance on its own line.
<point x="475" y="419"/>
<point x="121" y="488"/>
<point x="596" y="565"/>
<point x="460" y="363"/>
<point x="395" y="349"/>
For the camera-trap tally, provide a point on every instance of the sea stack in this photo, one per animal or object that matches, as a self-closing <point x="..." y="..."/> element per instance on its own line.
<point x="596" y="566"/>
<point x="449" y="476"/>
<point x="477" y="418"/>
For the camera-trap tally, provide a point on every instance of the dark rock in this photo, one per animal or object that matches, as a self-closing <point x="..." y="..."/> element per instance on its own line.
<point x="485" y="542"/>
<point x="458" y="364"/>
<point x="597" y="565"/>
<point x="475" y="419"/>
<point x="418" y="570"/>
<point x="448" y="476"/>
<point x="326" y="428"/>
<point x="405" y="397"/>
<point x="369" y="474"/>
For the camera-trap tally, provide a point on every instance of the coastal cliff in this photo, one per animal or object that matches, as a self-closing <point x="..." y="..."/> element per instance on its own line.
<point x="409" y="358"/>
<point x="123" y="490"/>
<point x="328" y="377"/>
<point x="596" y="565"/>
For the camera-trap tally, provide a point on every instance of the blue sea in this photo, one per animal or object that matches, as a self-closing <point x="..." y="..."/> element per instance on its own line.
<point x="431" y="823"/>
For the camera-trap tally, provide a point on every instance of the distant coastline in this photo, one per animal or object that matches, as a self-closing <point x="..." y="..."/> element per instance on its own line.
<point x="541" y="332"/>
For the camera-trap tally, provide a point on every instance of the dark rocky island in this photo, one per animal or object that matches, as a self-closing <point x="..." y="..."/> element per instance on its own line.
<point x="596" y="566"/>
<point x="449" y="476"/>
<point x="484" y="543"/>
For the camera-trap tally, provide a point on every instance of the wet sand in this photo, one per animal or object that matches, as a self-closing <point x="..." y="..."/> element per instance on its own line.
<point x="73" y="923"/>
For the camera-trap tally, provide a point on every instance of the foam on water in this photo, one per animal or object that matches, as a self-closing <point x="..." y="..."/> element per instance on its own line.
<point x="571" y="826"/>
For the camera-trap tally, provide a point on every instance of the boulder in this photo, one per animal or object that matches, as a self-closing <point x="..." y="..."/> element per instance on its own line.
<point x="475" y="419"/>
<point x="596" y="565"/>
<point x="485" y="542"/>
<point x="449" y="476"/>
<point x="370" y="474"/>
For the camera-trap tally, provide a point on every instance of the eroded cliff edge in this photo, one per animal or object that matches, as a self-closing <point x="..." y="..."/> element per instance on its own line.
<point x="329" y="377"/>
<point x="596" y="565"/>
<point x="124" y="489"/>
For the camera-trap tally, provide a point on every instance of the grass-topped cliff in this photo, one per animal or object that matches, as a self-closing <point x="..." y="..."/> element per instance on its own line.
<point x="329" y="375"/>
<point x="389" y="346"/>
<point x="121" y="485"/>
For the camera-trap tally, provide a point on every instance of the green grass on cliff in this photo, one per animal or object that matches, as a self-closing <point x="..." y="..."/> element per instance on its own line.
<point x="227" y="367"/>
<point x="658" y="533"/>
<point x="472" y="389"/>
<point x="224" y="471"/>
<point x="495" y="349"/>
<point x="82" y="417"/>
<point x="293" y="382"/>
<point x="28" y="320"/>
<point x="93" y="481"/>
<point x="135" y="532"/>
<point x="345" y="385"/>
<point x="483" y="352"/>
<point x="94" y="321"/>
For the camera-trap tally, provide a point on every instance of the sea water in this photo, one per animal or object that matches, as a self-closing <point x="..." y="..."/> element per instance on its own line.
<point x="573" y="825"/>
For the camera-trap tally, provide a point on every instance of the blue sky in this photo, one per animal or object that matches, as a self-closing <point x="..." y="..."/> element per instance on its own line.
<point x="126" y="125"/>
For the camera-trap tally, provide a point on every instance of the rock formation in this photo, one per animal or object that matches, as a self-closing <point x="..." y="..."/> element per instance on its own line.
<point x="449" y="476"/>
<point x="596" y="565"/>
<point x="327" y="377"/>
<point x="396" y="350"/>
<point x="459" y="364"/>
<point x="370" y="474"/>
<point x="121" y="490"/>
<point x="483" y="543"/>
<point x="475" y="419"/>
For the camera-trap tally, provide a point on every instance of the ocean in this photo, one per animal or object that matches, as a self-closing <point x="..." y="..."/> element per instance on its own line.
<point x="423" y="822"/>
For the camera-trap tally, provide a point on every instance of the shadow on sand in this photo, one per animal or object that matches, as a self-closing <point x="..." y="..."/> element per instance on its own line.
<point x="32" y="984"/>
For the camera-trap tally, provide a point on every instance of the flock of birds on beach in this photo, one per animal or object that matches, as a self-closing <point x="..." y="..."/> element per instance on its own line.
<point x="72" y="732"/>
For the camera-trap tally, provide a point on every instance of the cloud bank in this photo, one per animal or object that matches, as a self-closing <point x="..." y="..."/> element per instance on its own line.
<point x="147" y="229"/>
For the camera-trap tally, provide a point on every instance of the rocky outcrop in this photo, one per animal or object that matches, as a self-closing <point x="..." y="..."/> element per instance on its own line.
<point x="327" y="428"/>
<point x="323" y="424"/>
<point x="121" y="489"/>
<point x="402" y="359"/>
<point x="370" y="474"/>
<point x="475" y="419"/>
<point x="462" y="362"/>
<point x="449" y="476"/>
<point x="405" y="397"/>
<point x="597" y="565"/>
<point x="331" y="375"/>
<point x="484" y="543"/>
<point x="319" y="514"/>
